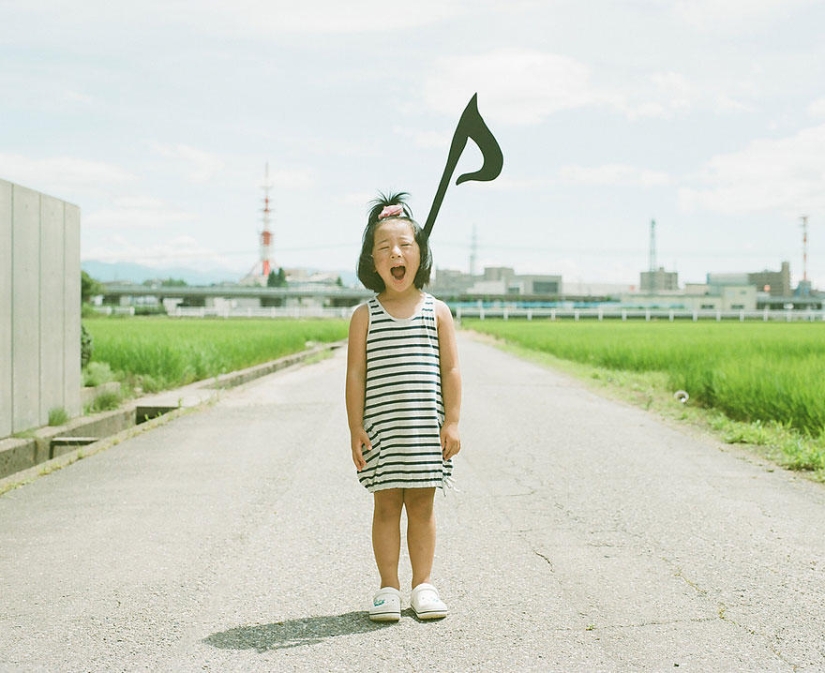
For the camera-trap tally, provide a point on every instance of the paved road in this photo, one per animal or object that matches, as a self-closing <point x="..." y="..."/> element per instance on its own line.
<point x="587" y="536"/>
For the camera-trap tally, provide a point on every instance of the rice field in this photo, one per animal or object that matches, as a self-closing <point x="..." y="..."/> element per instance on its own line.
<point x="770" y="377"/>
<point x="160" y="353"/>
<point x="751" y="372"/>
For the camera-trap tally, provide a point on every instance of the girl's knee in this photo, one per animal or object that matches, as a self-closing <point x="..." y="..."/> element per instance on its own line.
<point x="389" y="503"/>
<point x="419" y="502"/>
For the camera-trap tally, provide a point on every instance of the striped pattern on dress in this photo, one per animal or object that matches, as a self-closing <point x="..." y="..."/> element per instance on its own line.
<point x="403" y="406"/>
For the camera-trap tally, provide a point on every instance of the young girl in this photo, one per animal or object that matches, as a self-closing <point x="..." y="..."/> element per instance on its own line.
<point x="403" y="393"/>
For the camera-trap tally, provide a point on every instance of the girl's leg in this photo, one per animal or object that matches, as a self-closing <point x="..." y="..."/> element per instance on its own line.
<point x="420" y="532"/>
<point x="386" y="534"/>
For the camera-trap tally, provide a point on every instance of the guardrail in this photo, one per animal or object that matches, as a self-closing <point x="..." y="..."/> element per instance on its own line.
<point x="604" y="313"/>
<point x="115" y="310"/>
<point x="270" y="312"/>
<point x="500" y="312"/>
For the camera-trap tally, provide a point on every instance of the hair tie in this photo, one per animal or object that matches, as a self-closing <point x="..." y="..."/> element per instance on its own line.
<point x="391" y="211"/>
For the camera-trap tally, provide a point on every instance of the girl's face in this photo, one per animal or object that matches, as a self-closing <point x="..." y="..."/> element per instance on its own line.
<point x="396" y="254"/>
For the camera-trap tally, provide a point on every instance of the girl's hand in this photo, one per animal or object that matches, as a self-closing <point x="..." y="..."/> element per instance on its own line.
<point x="450" y="442"/>
<point x="360" y="443"/>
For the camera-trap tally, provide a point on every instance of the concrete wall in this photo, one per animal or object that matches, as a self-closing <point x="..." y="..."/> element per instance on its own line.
<point x="39" y="308"/>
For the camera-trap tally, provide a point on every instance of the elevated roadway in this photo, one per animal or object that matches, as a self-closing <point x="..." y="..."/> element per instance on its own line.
<point x="197" y="295"/>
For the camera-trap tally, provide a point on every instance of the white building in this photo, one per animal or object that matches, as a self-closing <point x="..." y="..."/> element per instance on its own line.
<point x="696" y="297"/>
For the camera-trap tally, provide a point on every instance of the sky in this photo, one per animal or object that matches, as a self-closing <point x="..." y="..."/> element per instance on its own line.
<point x="158" y="119"/>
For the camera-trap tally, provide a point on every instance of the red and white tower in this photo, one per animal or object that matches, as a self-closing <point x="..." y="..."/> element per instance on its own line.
<point x="266" y="234"/>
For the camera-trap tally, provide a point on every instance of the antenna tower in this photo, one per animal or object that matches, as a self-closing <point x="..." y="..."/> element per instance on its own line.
<point x="652" y="259"/>
<point x="804" y="219"/>
<point x="266" y="234"/>
<point x="473" y="251"/>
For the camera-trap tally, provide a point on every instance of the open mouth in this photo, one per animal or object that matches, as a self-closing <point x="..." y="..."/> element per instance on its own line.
<point x="398" y="272"/>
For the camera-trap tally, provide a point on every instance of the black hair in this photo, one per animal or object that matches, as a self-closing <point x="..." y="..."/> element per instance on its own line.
<point x="366" y="266"/>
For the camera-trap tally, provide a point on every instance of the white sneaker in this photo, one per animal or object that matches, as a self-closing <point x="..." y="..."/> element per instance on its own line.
<point x="386" y="605"/>
<point x="426" y="603"/>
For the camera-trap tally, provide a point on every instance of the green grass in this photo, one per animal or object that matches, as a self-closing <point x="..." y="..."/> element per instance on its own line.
<point x="159" y="353"/>
<point x="97" y="373"/>
<point x="105" y="402"/>
<point x="58" y="416"/>
<point x="762" y="382"/>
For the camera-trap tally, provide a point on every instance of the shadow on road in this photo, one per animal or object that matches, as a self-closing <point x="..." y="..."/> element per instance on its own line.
<point x="292" y="633"/>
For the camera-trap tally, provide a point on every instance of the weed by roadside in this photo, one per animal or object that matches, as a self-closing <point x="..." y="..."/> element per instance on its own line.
<point x="97" y="373"/>
<point x="58" y="416"/>
<point x="106" y="401"/>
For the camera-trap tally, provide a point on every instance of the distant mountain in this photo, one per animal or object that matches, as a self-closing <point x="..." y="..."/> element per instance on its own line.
<point x="107" y="272"/>
<point x="126" y="272"/>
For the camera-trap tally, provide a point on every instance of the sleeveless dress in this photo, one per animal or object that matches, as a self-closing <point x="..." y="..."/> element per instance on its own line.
<point x="403" y="406"/>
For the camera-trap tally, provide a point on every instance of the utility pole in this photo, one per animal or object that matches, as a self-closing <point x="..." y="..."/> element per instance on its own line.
<point x="473" y="251"/>
<point x="804" y="219"/>
<point x="652" y="259"/>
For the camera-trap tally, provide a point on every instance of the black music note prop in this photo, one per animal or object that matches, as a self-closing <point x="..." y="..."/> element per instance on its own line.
<point x="470" y="125"/>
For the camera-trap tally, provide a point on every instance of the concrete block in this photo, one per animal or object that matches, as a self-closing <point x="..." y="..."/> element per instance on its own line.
<point x="71" y="305"/>
<point x="25" y="316"/>
<point x="100" y="425"/>
<point x="82" y="429"/>
<point x="6" y="399"/>
<point x="43" y="451"/>
<point x="63" y="445"/>
<point x="147" y="413"/>
<point x="52" y="306"/>
<point x="39" y="308"/>
<point x="16" y="455"/>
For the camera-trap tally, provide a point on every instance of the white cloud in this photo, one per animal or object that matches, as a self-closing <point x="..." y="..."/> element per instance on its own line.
<point x="235" y="17"/>
<point x="657" y="95"/>
<point x="360" y="199"/>
<point x="316" y="16"/>
<point x="725" y="103"/>
<point x="136" y="213"/>
<point x="784" y="175"/>
<point x="613" y="174"/>
<point x="425" y="139"/>
<point x="520" y="87"/>
<point x="817" y="108"/>
<point x="665" y="95"/>
<point x="737" y="16"/>
<point x="48" y="91"/>
<point x="199" y="166"/>
<point x="62" y="175"/>
<point x="183" y="250"/>
<point x="508" y="183"/>
<point x="515" y="86"/>
<point x="295" y="179"/>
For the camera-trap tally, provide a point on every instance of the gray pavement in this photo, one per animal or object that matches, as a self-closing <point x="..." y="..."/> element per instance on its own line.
<point x="587" y="536"/>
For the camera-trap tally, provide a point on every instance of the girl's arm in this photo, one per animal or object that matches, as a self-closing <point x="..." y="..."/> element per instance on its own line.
<point x="356" y="384"/>
<point x="450" y="380"/>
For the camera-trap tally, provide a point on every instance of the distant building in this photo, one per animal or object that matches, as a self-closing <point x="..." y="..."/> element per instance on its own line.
<point x="450" y="282"/>
<point x="585" y="289"/>
<point x="721" y="292"/>
<point x="696" y="297"/>
<point x="804" y="289"/>
<point x="773" y="283"/>
<point x="659" y="281"/>
<point x="495" y="281"/>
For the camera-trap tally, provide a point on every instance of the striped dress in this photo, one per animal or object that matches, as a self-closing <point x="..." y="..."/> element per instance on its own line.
<point x="403" y="406"/>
